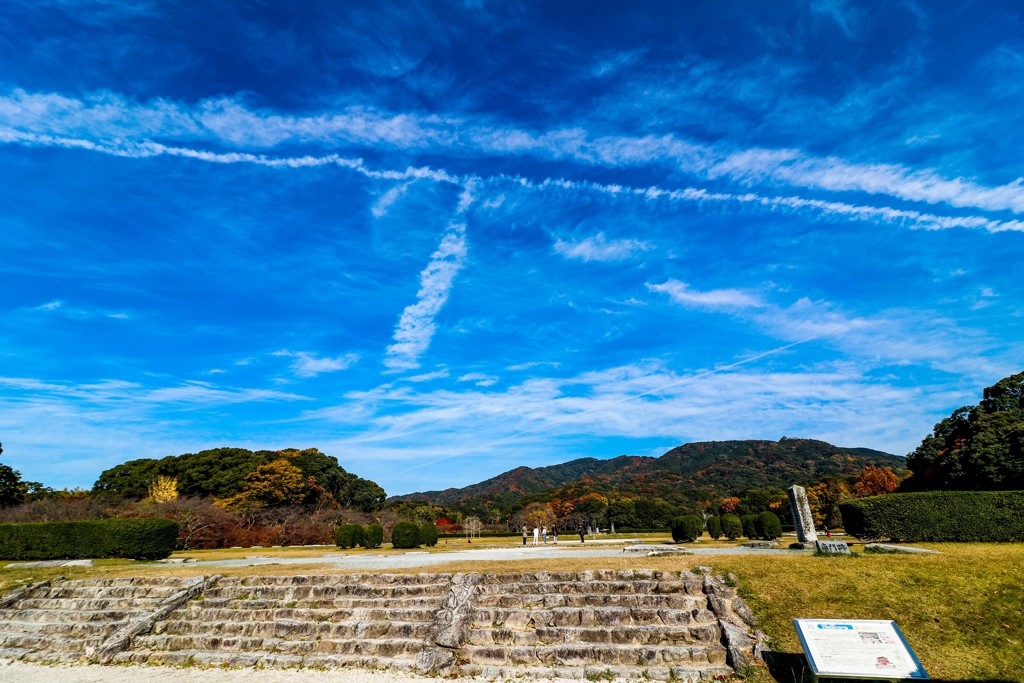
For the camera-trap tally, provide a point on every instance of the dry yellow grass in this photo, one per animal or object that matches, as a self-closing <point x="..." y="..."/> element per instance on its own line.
<point x="960" y="610"/>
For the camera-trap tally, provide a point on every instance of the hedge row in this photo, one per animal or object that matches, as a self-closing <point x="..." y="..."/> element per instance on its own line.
<point x="937" y="516"/>
<point x="139" y="539"/>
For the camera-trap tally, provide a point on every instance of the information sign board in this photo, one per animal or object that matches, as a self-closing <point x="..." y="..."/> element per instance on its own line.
<point x="857" y="648"/>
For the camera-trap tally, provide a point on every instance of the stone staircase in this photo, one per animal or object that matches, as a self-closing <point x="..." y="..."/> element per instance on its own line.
<point x="67" y="620"/>
<point x="599" y="625"/>
<point x="372" y="620"/>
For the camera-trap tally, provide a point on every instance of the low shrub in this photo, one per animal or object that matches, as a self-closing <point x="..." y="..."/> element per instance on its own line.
<point x="714" y="526"/>
<point x="348" y="536"/>
<point x="373" y="536"/>
<point x="428" y="534"/>
<point x="768" y="525"/>
<point x="405" y="535"/>
<point x="138" y="539"/>
<point x="962" y="516"/>
<point x="687" y="528"/>
<point x="732" y="527"/>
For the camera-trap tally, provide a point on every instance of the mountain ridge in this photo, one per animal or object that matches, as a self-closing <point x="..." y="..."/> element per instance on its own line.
<point x="688" y="471"/>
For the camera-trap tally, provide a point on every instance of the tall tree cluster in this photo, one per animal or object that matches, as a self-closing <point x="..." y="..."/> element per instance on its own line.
<point x="977" y="447"/>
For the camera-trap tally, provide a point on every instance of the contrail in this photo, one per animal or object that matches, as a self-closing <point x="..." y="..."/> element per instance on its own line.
<point x="555" y="421"/>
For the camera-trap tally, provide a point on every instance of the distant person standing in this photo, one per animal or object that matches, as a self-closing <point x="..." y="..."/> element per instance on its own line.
<point x="554" y="532"/>
<point x="524" y="534"/>
<point x="580" y="529"/>
<point x="544" y="533"/>
<point x="536" y="535"/>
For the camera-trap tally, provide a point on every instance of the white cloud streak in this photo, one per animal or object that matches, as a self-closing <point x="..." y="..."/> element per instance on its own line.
<point x="600" y="248"/>
<point x="714" y="300"/>
<point x="416" y="326"/>
<point x="106" y="121"/>
<point x="308" y="365"/>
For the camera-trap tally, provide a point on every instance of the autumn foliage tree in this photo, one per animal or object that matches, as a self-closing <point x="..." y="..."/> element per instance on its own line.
<point x="274" y="484"/>
<point x="875" y="481"/>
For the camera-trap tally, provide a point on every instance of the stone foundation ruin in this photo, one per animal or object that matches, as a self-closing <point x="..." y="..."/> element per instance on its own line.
<point x="632" y="624"/>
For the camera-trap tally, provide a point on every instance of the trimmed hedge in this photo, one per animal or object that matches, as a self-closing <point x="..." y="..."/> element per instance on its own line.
<point x="405" y="535"/>
<point x="373" y="536"/>
<point x="732" y="527"/>
<point x="138" y="539"/>
<point x="768" y="525"/>
<point x="687" y="528"/>
<point x="962" y="516"/>
<point x="428" y="534"/>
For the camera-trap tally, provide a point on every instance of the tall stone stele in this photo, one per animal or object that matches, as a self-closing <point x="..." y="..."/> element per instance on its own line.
<point x="806" y="536"/>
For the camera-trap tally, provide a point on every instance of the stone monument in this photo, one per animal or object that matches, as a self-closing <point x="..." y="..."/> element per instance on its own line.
<point x="806" y="536"/>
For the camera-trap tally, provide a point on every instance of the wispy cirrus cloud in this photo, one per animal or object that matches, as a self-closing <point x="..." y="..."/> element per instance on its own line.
<point x="600" y="248"/>
<point x="305" y="364"/>
<point x="108" y="120"/>
<point x="714" y="299"/>
<point x="479" y="379"/>
<point x="893" y="337"/>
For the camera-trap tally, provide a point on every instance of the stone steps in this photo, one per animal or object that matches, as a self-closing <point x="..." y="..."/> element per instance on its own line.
<point x="92" y="604"/>
<point x="587" y="616"/>
<point x="390" y="647"/>
<point x="325" y="593"/>
<point x="260" y="660"/>
<point x="676" y="674"/>
<point x="624" y="635"/>
<point x="295" y="628"/>
<point x="340" y="603"/>
<point x="622" y="625"/>
<point x="530" y="601"/>
<point x="67" y="616"/>
<point x="272" y="613"/>
<point x="589" y="654"/>
<point x="58" y="628"/>
<point x="64" y="620"/>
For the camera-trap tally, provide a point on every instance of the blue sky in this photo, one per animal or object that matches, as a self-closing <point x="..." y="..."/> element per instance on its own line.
<point x="441" y="240"/>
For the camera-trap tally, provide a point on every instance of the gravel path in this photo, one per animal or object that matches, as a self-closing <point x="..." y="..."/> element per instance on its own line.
<point x="425" y="559"/>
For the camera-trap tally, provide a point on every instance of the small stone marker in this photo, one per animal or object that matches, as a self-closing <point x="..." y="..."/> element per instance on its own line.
<point x="802" y="519"/>
<point x="833" y="547"/>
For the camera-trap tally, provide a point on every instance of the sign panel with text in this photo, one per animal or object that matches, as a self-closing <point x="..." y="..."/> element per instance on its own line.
<point x="857" y="648"/>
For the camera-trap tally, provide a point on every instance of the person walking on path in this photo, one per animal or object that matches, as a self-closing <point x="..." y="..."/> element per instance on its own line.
<point x="580" y="529"/>
<point x="536" y="535"/>
<point x="554" y="532"/>
<point x="524" y="534"/>
<point x="544" y="533"/>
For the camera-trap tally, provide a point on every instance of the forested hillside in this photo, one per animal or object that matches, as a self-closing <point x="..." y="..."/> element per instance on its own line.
<point x="687" y="473"/>
<point x="238" y="475"/>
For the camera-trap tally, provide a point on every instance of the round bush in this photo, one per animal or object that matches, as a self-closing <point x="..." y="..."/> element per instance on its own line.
<point x="405" y="535"/>
<point x="768" y="525"/>
<point x="357" y="535"/>
<point x="687" y="528"/>
<point x="749" y="526"/>
<point x="732" y="527"/>
<point x="373" y="536"/>
<point x="428" y="534"/>
<point x="346" y="535"/>
<point x="714" y="525"/>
